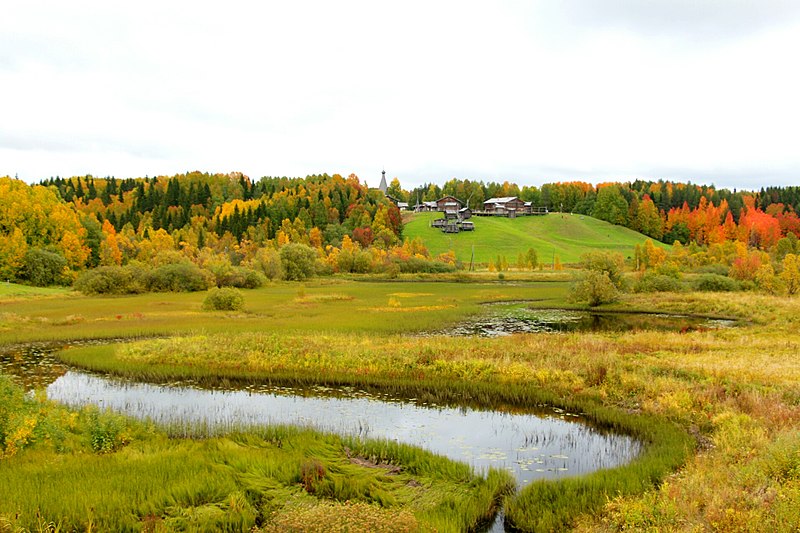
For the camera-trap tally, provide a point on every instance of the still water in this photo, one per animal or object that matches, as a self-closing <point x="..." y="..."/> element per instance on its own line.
<point x="545" y="443"/>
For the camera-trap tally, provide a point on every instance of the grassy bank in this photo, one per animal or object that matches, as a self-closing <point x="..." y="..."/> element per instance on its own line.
<point x="86" y="470"/>
<point x="431" y="370"/>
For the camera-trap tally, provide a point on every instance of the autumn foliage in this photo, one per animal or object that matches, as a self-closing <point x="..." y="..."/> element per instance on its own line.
<point x="226" y="224"/>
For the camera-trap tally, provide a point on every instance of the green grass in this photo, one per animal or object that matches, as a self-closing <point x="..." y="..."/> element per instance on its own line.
<point x="568" y="236"/>
<point x="86" y="470"/>
<point x="319" y="306"/>
<point x="735" y="391"/>
<point x="13" y="291"/>
<point x="507" y="375"/>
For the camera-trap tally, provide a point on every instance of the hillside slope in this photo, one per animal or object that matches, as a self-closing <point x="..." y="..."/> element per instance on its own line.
<point x="568" y="236"/>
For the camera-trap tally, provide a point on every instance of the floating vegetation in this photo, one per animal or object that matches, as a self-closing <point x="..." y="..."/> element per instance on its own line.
<point x="507" y="318"/>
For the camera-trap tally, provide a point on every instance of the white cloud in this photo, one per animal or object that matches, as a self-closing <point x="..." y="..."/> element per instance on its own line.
<point x="525" y="91"/>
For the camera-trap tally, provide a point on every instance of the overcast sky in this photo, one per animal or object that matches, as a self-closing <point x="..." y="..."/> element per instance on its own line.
<point x="527" y="91"/>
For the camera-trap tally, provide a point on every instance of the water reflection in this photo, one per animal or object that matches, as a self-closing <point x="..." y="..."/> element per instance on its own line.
<point x="529" y="446"/>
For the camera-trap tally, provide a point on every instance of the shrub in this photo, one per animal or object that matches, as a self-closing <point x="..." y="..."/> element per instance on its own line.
<point x="267" y="261"/>
<point x="362" y="262"/>
<point x="107" y="431"/>
<point x="605" y="262"/>
<point x="43" y="268"/>
<point x="715" y="283"/>
<point x="298" y="261"/>
<point x="714" y="268"/>
<point x="392" y="270"/>
<point x="112" y="280"/>
<point x="657" y="283"/>
<point x="415" y="265"/>
<point x="178" y="277"/>
<point x="224" y="299"/>
<point x="669" y="269"/>
<point x="242" y="278"/>
<point x="594" y="288"/>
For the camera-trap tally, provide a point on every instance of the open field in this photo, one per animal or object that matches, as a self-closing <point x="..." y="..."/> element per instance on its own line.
<point x="566" y="235"/>
<point x="731" y="395"/>
<point x="318" y="306"/>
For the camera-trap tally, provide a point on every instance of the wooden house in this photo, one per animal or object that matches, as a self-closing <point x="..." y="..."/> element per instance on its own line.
<point x="445" y="202"/>
<point x="507" y="206"/>
<point x="425" y="207"/>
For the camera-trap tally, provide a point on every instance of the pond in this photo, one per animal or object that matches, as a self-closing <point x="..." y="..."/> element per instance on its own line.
<point x="540" y="444"/>
<point x="506" y="318"/>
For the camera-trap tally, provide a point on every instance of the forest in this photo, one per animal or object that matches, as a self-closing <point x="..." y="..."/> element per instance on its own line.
<point x="195" y="230"/>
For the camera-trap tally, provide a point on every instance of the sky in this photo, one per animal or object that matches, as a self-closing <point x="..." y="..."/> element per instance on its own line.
<point x="527" y="91"/>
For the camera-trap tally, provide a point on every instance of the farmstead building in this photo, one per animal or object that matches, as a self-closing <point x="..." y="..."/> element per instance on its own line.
<point x="507" y="206"/>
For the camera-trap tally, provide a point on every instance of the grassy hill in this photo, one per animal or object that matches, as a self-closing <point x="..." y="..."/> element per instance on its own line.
<point x="567" y="235"/>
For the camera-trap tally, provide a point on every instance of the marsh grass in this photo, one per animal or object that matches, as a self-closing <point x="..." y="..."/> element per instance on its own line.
<point x="431" y="370"/>
<point x="735" y="391"/>
<point x="324" y="305"/>
<point x="93" y="470"/>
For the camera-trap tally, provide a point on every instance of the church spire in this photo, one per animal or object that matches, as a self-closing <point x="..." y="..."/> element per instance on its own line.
<point x="383" y="186"/>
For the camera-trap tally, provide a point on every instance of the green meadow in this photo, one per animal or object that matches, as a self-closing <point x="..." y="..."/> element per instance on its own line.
<point x="565" y="235"/>
<point x="321" y="305"/>
<point x="717" y="409"/>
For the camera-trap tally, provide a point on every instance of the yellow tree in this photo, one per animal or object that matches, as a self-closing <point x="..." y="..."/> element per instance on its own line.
<point x="73" y="249"/>
<point x="12" y="251"/>
<point x="315" y="238"/>
<point x="653" y="255"/>
<point x="791" y="274"/>
<point x="42" y="217"/>
<point x="110" y="254"/>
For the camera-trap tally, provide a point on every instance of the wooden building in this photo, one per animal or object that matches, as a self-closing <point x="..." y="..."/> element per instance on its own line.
<point x="507" y="206"/>
<point x="445" y="202"/>
<point x="424" y="207"/>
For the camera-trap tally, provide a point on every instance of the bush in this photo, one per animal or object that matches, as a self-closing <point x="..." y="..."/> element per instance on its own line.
<point x="605" y="262"/>
<point x="362" y="262"/>
<point x="178" y="277"/>
<point x="43" y="268"/>
<point x="267" y="261"/>
<point x="714" y="268"/>
<point x="224" y="299"/>
<point x="657" y="283"/>
<point x="112" y="280"/>
<point x="415" y="265"/>
<point x="298" y="261"/>
<point x="242" y="278"/>
<point x="594" y="288"/>
<point x="715" y="283"/>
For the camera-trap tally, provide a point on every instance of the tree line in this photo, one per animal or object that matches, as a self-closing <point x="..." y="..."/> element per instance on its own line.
<point x="52" y="231"/>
